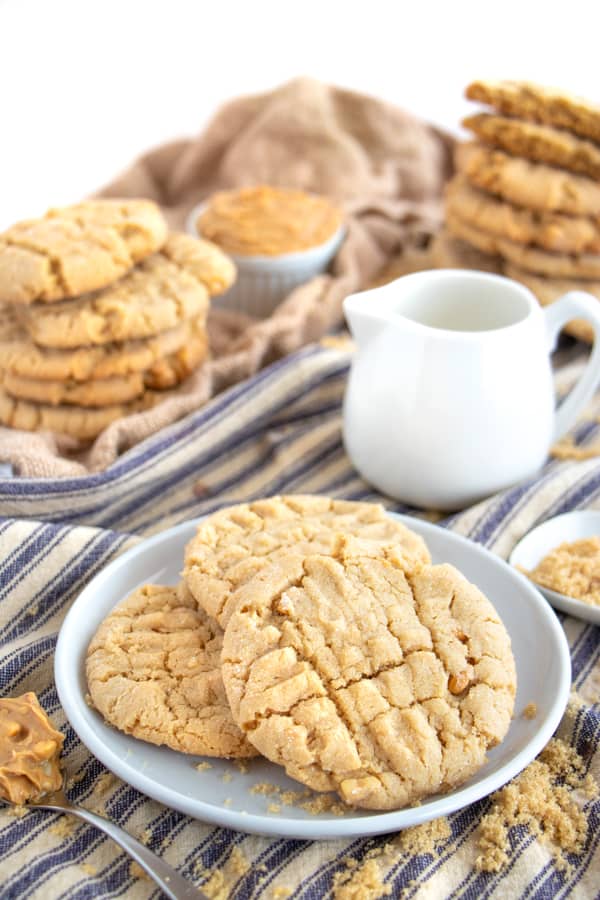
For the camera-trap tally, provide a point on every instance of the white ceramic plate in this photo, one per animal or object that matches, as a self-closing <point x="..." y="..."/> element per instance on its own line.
<point x="538" y="543"/>
<point x="222" y="794"/>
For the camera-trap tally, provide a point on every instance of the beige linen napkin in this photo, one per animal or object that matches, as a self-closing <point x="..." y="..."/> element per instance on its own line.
<point x="384" y="166"/>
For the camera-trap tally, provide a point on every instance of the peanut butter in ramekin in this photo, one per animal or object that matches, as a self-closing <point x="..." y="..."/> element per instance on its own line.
<point x="268" y="221"/>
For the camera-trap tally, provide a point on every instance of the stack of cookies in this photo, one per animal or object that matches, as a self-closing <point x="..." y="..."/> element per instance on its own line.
<point x="102" y="311"/>
<point x="316" y="633"/>
<point x="525" y="201"/>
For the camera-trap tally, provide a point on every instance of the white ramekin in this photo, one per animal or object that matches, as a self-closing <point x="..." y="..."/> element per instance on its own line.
<point x="264" y="281"/>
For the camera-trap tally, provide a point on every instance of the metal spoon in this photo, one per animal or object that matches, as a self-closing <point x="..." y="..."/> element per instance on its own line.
<point x="171" y="882"/>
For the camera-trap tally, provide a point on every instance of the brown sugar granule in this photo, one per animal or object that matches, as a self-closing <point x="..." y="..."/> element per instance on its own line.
<point x="538" y="799"/>
<point x="241" y="765"/>
<point x="572" y="569"/>
<point x="220" y="881"/>
<point x="424" y="838"/>
<point x="530" y="711"/>
<point x="203" y="766"/>
<point x="280" y="893"/>
<point x="362" y="883"/>
<point x="89" y="869"/>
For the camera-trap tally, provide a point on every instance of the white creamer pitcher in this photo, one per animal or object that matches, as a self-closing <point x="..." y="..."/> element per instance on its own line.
<point x="450" y="395"/>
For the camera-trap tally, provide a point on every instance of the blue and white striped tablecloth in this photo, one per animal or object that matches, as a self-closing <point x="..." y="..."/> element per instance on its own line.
<point x="278" y="432"/>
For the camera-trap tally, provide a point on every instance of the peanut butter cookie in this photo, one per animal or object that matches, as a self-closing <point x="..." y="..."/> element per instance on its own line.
<point x="81" y="422"/>
<point x="448" y="252"/>
<point x="533" y="185"/>
<point x="202" y="259"/>
<point x="548" y="230"/>
<point x="164" y="373"/>
<point x="524" y="100"/>
<point x="547" y="290"/>
<point x="77" y="249"/>
<point x="533" y="259"/>
<point x="156" y="296"/>
<point x="153" y="671"/>
<point x="240" y="548"/>
<point x="20" y="356"/>
<point x="541" y="143"/>
<point x="359" y="677"/>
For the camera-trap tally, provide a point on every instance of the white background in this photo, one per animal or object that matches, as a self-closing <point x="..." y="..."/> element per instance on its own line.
<point x="87" y="85"/>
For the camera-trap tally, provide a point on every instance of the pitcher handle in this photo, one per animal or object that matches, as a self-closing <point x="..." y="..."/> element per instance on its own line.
<point x="575" y="305"/>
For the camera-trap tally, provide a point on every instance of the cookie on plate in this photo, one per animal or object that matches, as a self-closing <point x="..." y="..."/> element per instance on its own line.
<point x="540" y="143"/>
<point x="548" y="230"/>
<point x="153" y="671"/>
<point x="159" y="294"/>
<point x="550" y="106"/>
<point x="245" y="549"/>
<point x="359" y="677"/>
<point x="529" y="184"/>
<point x="76" y="249"/>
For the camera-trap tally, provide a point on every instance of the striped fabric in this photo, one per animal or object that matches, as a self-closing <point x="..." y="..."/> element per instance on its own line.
<point x="278" y="432"/>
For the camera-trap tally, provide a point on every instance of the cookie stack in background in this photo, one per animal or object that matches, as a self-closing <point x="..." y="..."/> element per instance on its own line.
<point x="525" y="200"/>
<point x="102" y="311"/>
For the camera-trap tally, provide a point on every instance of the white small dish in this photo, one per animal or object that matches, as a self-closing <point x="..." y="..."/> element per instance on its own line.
<point x="264" y="281"/>
<point x="222" y="794"/>
<point x="537" y="543"/>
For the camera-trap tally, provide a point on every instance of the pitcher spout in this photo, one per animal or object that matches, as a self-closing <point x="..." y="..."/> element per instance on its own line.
<point x="365" y="320"/>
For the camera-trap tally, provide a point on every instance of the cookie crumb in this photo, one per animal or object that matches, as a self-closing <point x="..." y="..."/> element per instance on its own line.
<point x="14" y="812"/>
<point x="226" y="777"/>
<point x="97" y="799"/>
<point x="308" y="800"/>
<point x="203" y="766"/>
<point x="567" y="449"/>
<point x="64" y="828"/>
<point x="241" y="765"/>
<point x="89" y="869"/>
<point x="274" y="808"/>
<point x="227" y="801"/>
<point x="136" y="871"/>
<point x="279" y="893"/>
<point x="530" y="711"/>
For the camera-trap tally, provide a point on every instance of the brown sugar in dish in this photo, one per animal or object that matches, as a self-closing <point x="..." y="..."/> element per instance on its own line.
<point x="268" y="221"/>
<point x="572" y="569"/>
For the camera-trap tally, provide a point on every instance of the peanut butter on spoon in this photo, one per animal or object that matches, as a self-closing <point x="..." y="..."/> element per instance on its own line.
<point x="29" y="750"/>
